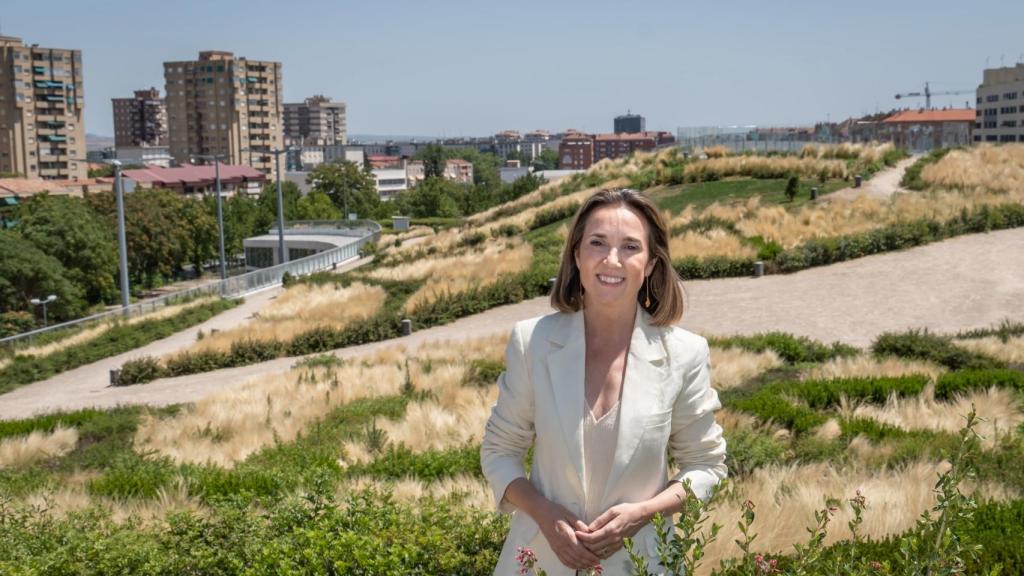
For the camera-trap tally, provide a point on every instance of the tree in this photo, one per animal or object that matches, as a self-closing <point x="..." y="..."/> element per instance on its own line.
<point x="79" y="238"/>
<point x="27" y="272"/>
<point x="547" y="160"/>
<point x="434" y="160"/>
<point x="266" y="213"/>
<point x="158" y="237"/>
<point x="317" y="206"/>
<point x="201" y="228"/>
<point x="434" y="197"/>
<point x="347" y="186"/>
<point x="240" y="212"/>
<point x="792" y="185"/>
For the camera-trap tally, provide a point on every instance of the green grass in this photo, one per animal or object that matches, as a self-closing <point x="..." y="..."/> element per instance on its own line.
<point x="676" y="198"/>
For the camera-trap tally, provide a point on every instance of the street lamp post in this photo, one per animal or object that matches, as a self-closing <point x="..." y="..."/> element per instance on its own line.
<point x="283" y="255"/>
<point x="220" y="210"/>
<point x="121" y="240"/>
<point x="37" y="302"/>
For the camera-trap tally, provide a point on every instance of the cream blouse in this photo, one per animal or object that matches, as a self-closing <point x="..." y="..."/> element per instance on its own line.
<point x="599" y="439"/>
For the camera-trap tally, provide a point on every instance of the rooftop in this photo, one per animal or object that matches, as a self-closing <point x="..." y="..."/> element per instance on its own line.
<point x="193" y="175"/>
<point x="948" y="115"/>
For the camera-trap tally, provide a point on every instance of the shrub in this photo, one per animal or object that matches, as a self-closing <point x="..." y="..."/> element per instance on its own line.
<point x="749" y="450"/>
<point x="693" y="268"/>
<point x="507" y="230"/>
<point x="250" y="351"/>
<point x="138" y="370"/>
<point x="287" y="279"/>
<point x="483" y="372"/>
<point x="554" y="214"/>
<point x="924" y="345"/>
<point x="792" y="185"/>
<point x="131" y="476"/>
<point x="790" y="348"/>
<point x="963" y="381"/>
<point x="912" y="177"/>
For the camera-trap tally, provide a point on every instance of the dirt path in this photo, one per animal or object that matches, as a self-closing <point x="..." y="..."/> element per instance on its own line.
<point x="883" y="185"/>
<point x="960" y="283"/>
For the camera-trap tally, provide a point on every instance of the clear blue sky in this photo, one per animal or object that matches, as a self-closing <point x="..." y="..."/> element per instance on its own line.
<point x="476" y="67"/>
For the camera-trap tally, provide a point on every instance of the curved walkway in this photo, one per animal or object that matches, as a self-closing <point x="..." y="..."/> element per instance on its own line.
<point x="966" y="282"/>
<point x="882" y="185"/>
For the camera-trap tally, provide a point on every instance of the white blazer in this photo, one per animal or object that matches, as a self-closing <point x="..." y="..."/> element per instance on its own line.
<point x="667" y="407"/>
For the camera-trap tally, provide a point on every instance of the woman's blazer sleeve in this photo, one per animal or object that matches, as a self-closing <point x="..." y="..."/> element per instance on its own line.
<point x="509" y="432"/>
<point x="696" y="443"/>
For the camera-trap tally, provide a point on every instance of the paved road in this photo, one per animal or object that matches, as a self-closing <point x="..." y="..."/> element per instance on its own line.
<point x="960" y="283"/>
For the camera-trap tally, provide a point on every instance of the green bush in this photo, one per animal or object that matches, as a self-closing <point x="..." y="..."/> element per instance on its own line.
<point x="750" y="450"/>
<point x="131" y="476"/>
<point x="483" y="372"/>
<point x="142" y="369"/>
<point x="693" y="268"/>
<point x="924" y="345"/>
<point x="792" y="349"/>
<point x="553" y="214"/>
<point x="963" y="381"/>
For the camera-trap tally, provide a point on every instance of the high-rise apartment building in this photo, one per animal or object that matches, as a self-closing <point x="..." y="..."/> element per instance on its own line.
<point x="141" y="120"/>
<point x="41" y="110"/>
<point x="1000" y="105"/>
<point x="630" y="124"/>
<point x="315" y="122"/>
<point x="220" y="104"/>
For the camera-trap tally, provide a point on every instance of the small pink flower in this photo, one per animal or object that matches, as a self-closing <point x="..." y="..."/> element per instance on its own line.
<point x="875" y="565"/>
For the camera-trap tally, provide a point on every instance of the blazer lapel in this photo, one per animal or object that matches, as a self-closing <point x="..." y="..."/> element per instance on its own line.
<point x="567" y="370"/>
<point x="642" y="388"/>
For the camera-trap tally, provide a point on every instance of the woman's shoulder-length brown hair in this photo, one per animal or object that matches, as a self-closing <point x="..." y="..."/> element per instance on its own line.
<point x="666" y="292"/>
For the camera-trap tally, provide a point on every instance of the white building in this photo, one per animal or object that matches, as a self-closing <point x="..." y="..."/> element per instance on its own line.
<point x="390" y="181"/>
<point x="145" y="156"/>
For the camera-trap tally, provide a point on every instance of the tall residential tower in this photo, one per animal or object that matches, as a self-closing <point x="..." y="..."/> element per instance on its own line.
<point x="220" y="104"/>
<point x="140" y="121"/>
<point x="41" y="111"/>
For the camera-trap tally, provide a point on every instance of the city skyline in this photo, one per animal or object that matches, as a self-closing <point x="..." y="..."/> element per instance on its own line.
<point x="461" y="69"/>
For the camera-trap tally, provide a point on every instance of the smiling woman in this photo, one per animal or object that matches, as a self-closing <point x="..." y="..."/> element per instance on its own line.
<point x="603" y="391"/>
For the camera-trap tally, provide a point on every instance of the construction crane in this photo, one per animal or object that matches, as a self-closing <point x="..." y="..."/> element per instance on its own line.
<point x="928" y="95"/>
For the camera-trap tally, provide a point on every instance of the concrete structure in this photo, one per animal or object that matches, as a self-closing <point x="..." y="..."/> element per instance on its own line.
<point x="576" y="151"/>
<point x="198" y="179"/>
<point x="303" y="239"/>
<point x="220" y="104"/>
<point x="1000" y="105"/>
<point x="141" y="120"/>
<point x="923" y="130"/>
<point x="315" y="122"/>
<point x="42" y="106"/>
<point x="630" y="124"/>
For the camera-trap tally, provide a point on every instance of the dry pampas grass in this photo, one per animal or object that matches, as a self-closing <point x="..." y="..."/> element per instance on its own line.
<point x="300" y="309"/>
<point x="749" y="165"/>
<point x="710" y="243"/>
<point x="733" y="367"/>
<point x="469" y="491"/>
<point x="474" y="270"/>
<point x="37" y="446"/>
<point x="999" y="408"/>
<point x="865" y="366"/>
<point x="227" y="427"/>
<point x="1011" y="351"/>
<point x="787" y="496"/>
<point x="454" y="420"/>
<point x="995" y="168"/>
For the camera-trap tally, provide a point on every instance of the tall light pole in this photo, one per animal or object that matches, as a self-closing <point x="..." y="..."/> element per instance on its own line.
<point x="121" y="240"/>
<point x="283" y="255"/>
<point x="220" y="210"/>
<point x="37" y="302"/>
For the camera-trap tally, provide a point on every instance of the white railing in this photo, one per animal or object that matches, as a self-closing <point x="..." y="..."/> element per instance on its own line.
<point x="233" y="287"/>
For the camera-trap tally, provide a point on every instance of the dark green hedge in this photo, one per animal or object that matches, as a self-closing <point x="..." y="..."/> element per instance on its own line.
<point x="790" y="348"/>
<point x="925" y="345"/>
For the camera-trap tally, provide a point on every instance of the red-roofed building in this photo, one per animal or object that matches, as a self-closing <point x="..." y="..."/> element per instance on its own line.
<point x="379" y="162"/>
<point x="190" y="179"/>
<point x="921" y="130"/>
<point x="576" y="151"/>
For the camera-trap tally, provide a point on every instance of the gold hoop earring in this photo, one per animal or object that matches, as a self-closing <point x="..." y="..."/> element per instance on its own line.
<point x="647" y="301"/>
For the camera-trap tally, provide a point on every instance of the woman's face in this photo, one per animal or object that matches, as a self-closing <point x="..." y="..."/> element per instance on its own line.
<point x="613" y="256"/>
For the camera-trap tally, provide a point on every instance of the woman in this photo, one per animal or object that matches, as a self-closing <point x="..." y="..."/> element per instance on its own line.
<point x="602" y="390"/>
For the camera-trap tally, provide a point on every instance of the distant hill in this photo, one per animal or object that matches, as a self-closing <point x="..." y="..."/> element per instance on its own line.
<point x="97" y="142"/>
